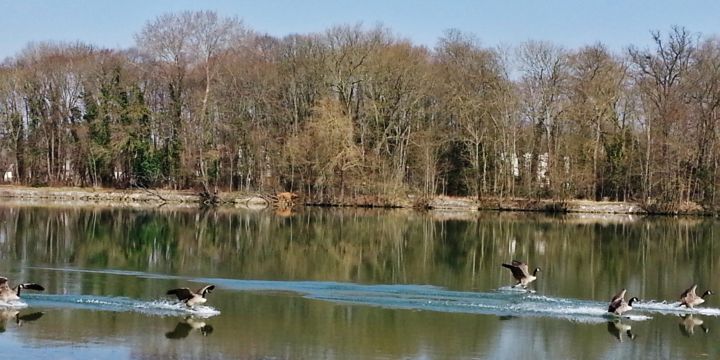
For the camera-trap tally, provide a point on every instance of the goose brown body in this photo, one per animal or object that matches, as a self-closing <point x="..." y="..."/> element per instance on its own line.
<point x="192" y="298"/>
<point x="690" y="299"/>
<point x="12" y="294"/>
<point x="521" y="273"/>
<point x="618" y="304"/>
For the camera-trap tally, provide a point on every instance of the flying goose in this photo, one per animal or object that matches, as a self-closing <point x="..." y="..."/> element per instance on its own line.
<point x="618" y="305"/>
<point x="688" y="323"/>
<point x="521" y="273"/>
<point x="616" y="328"/>
<point x="10" y="294"/>
<point x="192" y="298"/>
<point x="690" y="299"/>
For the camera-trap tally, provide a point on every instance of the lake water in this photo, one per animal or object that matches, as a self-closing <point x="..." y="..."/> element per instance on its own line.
<point x="353" y="284"/>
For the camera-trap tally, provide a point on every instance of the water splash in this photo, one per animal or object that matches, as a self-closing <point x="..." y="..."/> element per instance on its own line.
<point x="674" y="308"/>
<point x="516" y="289"/>
<point x="12" y="305"/>
<point x="504" y="301"/>
<point x="500" y="302"/>
<point x="120" y="304"/>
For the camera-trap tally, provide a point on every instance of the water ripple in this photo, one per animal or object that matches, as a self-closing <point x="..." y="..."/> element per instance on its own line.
<point x="505" y="301"/>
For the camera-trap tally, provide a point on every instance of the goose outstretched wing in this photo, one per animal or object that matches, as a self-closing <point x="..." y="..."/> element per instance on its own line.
<point x="181" y="293"/>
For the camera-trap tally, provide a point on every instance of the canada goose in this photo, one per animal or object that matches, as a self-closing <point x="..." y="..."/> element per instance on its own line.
<point x="10" y="294"/>
<point x="690" y="299"/>
<point x="192" y="298"/>
<point x="183" y="328"/>
<point x="616" y="328"/>
<point x="618" y="305"/>
<point x="620" y="295"/>
<point x="688" y="323"/>
<point x="521" y="274"/>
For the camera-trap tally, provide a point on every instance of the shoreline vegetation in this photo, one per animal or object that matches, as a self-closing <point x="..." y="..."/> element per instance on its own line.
<point x="284" y="203"/>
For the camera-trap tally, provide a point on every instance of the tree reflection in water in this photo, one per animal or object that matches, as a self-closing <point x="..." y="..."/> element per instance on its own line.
<point x="581" y="258"/>
<point x="363" y="245"/>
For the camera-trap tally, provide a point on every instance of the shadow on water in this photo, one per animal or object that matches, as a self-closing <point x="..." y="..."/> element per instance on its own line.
<point x="620" y="330"/>
<point x="187" y="325"/>
<point x="689" y="322"/>
<point x="14" y="316"/>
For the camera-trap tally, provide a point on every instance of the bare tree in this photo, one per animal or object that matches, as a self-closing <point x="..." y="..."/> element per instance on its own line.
<point x="596" y="85"/>
<point x="704" y="97"/>
<point x="12" y="121"/>
<point x="544" y="69"/>
<point x="659" y="75"/>
<point x="177" y="44"/>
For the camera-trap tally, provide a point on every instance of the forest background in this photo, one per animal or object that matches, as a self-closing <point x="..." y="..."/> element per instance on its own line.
<point x="203" y="102"/>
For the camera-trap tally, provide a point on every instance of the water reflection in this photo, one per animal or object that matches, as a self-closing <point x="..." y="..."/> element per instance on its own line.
<point x="583" y="260"/>
<point x="357" y="245"/>
<point x="689" y="322"/>
<point x="187" y="325"/>
<point x="619" y="330"/>
<point x="14" y="316"/>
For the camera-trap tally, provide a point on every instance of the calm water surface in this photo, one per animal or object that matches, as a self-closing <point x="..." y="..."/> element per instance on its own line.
<point x="353" y="284"/>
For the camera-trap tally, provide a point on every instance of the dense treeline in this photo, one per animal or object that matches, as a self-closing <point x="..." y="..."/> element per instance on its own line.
<point x="203" y="102"/>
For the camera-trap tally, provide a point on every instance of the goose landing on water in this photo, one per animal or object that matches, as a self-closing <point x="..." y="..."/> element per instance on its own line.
<point x="521" y="273"/>
<point x="192" y="298"/>
<point x="690" y="299"/>
<point x="10" y="294"/>
<point x="618" y="305"/>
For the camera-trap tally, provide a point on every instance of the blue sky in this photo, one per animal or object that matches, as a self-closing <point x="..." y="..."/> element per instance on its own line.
<point x="570" y="23"/>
